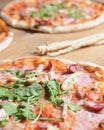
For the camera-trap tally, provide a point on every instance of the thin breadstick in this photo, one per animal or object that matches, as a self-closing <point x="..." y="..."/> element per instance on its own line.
<point x="68" y="49"/>
<point x="91" y="40"/>
<point x="86" y="41"/>
<point x="43" y="49"/>
<point x="59" y="52"/>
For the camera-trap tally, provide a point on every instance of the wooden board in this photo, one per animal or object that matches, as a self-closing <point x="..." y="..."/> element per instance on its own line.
<point x="25" y="42"/>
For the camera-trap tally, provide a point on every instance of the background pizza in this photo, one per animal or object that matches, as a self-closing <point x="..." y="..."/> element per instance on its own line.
<point x="53" y="16"/>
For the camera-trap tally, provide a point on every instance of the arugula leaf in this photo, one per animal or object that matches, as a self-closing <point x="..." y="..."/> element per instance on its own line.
<point x="16" y="73"/>
<point x="25" y="95"/>
<point x="4" y="92"/>
<point x="76" y="12"/>
<point x="24" y="111"/>
<point x="5" y="86"/>
<point x="48" y="10"/>
<point x="19" y="82"/>
<point x="7" y="94"/>
<point x="55" y="86"/>
<point x="10" y="108"/>
<point x="3" y="122"/>
<point x="71" y="106"/>
<point x="24" y="114"/>
<point x="53" y="90"/>
<point x="19" y="112"/>
<point x="33" y="90"/>
<point x="22" y="93"/>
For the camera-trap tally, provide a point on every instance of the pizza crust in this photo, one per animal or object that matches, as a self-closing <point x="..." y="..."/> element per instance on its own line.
<point x="84" y="63"/>
<point x="50" y="29"/>
<point x="13" y="22"/>
<point x="6" y="42"/>
<point x="81" y="26"/>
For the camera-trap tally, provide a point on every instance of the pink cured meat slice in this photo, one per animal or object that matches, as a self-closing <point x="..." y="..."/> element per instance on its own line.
<point x="87" y="120"/>
<point x="84" y="80"/>
<point x="4" y="77"/>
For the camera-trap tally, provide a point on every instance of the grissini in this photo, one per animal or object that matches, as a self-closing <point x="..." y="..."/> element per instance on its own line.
<point x="58" y="48"/>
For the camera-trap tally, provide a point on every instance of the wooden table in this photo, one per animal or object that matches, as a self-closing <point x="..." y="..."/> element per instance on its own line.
<point x="25" y="42"/>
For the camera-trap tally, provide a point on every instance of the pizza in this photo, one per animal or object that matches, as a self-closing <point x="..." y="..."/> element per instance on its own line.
<point x="53" y="16"/>
<point x="38" y="93"/>
<point x="5" y="35"/>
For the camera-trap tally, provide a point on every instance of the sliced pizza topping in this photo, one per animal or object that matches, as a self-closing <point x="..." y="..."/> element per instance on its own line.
<point x="87" y="120"/>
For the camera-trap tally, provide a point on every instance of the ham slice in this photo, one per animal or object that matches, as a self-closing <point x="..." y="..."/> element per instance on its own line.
<point x="12" y="125"/>
<point x="80" y="78"/>
<point x="87" y="120"/>
<point x="84" y="80"/>
<point x="4" y="77"/>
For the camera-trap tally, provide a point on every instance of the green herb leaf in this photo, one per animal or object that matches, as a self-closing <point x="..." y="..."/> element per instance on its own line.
<point x="71" y="106"/>
<point x="7" y="94"/>
<point x="3" y="122"/>
<point x="23" y="114"/>
<point x="76" y="12"/>
<point x="24" y="111"/>
<point x="10" y="108"/>
<point x="48" y="10"/>
<point x="53" y="91"/>
<point x="19" y="82"/>
<point x="21" y="93"/>
<point x="74" y="107"/>
<point x="4" y="92"/>
<point x="55" y="87"/>
<point x="33" y="90"/>
<point x="16" y="73"/>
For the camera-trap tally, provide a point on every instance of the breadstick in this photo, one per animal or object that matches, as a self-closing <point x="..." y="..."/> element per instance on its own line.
<point x="67" y="45"/>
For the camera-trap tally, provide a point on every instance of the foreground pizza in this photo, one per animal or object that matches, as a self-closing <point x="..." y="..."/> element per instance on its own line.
<point x="54" y="16"/>
<point x="49" y="94"/>
<point x="5" y="35"/>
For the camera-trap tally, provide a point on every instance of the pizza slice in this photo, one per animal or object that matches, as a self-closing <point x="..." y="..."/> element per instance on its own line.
<point x="53" y="16"/>
<point x="5" y="35"/>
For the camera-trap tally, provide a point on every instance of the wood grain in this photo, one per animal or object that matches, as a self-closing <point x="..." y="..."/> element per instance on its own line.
<point x="25" y="42"/>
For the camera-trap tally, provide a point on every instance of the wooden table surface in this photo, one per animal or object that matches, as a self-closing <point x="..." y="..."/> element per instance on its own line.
<point x="25" y="42"/>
